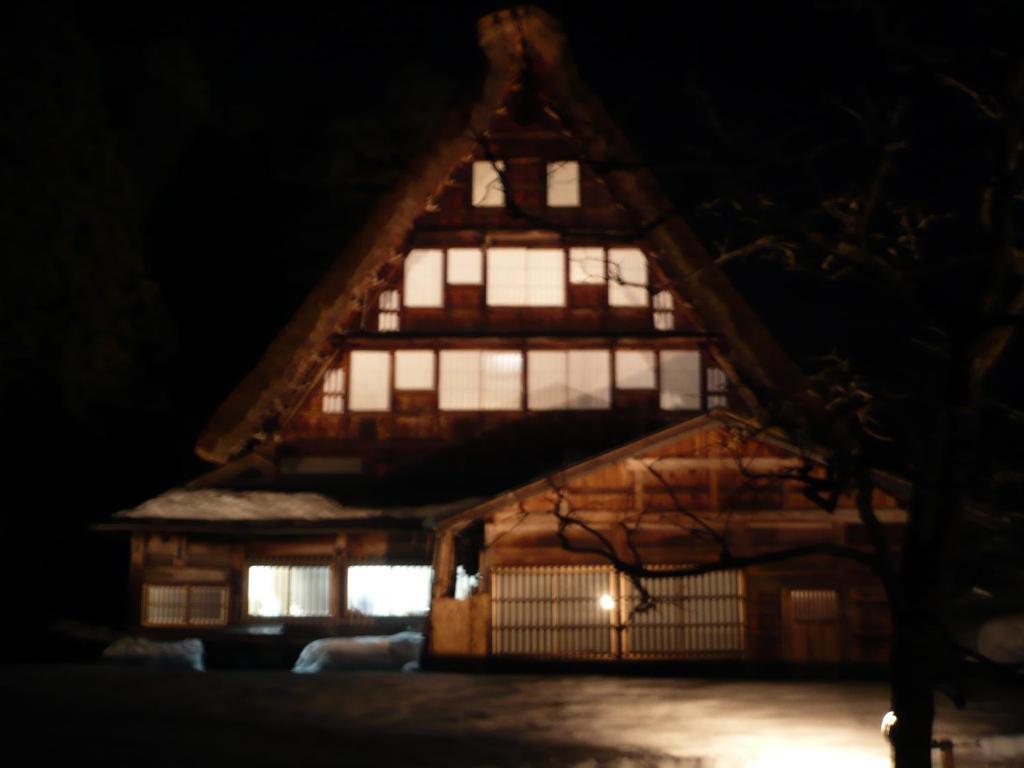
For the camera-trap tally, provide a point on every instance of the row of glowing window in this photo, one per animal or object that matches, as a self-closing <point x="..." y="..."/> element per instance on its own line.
<point x="524" y="277"/>
<point x="563" y="184"/>
<point x="492" y="380"/>
<point x="292" y="591"/>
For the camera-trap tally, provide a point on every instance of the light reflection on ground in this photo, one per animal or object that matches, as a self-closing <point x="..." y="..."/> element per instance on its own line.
<point x="433" y="719"/>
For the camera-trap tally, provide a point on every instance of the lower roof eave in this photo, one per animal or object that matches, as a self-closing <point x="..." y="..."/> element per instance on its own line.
<point x="260" y="528"/>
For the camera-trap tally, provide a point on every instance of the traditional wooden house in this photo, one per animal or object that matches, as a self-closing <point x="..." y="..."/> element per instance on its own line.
<point x="523" y="300"/>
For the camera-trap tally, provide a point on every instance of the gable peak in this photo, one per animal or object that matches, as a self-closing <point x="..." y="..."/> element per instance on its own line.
<point x="520" y="40"/>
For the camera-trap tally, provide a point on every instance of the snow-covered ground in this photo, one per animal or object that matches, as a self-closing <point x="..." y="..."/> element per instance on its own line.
<point x="130" y="716"/>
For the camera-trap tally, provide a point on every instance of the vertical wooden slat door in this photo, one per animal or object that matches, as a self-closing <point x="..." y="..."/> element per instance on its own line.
<point x="810" y="619"/>
<point x="587" y="612"/>
<point x="552" y="611"/>
<point x="693" y="617"/>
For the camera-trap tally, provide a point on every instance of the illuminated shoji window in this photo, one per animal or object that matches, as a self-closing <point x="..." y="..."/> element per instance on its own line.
<point x="488" y="190"/>
<point x="387" y="312"/>
<point x="184" y="604"/>
<point x="576" y="379"/>
<point x="333" y="400"/>
<point x="289" y="590"/>
<point x="480" y="380"/>
<point x="369" y="381"/>
<point x="564" y="184"/>
<point x="664" y="317"/>
<point x="717" y="387"/>
<point x="680" y="379"/>
<point x="586" y="266"/>
<point x="423" y="280"/>
<point x="525" y="277"/>
<point x="414" y="370"/>
<point x="389" y="590"/>
<point x="465" y="266"/>
<point x="627" y="277"/>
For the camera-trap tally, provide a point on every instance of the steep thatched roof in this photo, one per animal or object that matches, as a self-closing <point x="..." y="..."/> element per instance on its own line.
<point x="514" y="41"/>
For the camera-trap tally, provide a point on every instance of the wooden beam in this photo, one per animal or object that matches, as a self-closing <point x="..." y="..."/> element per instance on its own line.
<point x="340" y="592"/>
<point x="361" y="339"/>
<point x="756" y="464"/>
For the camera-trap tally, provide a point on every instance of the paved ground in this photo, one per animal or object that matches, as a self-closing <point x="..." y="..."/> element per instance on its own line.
<point x="262" y="718"/>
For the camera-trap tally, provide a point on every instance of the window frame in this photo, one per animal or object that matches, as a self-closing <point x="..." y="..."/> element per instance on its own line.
<point x="552" y="169"/>
<point x="274" y="562"/>
<point x="332" y="388"/>
<point x="620" y="293"/>
<point x="425" y="259"/>
<point x="719" y="393"/>
<point x="188" y="586"/>
<point x="698" y="401"/>
<point x="571" y="375"/>
<point x="350" y="611"/>
<point x="464" y="252"/>
<point x="389" y="382"/>
<point x="477" y="177"/>
<point x="480" y="379"/>
<point x="651" y="360"/>
<point x="398" y="354"/>
<point x="532" y="293"/>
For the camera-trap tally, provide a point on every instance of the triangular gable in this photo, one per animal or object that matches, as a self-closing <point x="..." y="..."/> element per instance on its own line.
<point x="514" y="41"/>
<point x="718" y="438"/>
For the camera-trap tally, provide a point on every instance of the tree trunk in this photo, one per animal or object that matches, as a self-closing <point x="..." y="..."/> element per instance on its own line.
<point x="912" y="693"/>
<point x="917" y="657"/>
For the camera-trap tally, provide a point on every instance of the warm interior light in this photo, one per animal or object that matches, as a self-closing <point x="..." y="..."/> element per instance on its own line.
<point x="389" y="590"/>
<point x="606" y="601"/>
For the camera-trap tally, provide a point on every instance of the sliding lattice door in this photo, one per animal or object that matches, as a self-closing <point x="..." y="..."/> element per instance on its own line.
<point x="553" y="611"/>
<point x="587" y="612"/>
<point x="694" y="617"/>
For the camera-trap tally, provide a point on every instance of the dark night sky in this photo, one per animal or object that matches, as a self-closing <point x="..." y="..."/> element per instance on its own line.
<point x="178" y="179"/>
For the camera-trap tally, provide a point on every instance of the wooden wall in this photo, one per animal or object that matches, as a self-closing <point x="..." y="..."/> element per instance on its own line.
<point x="709" y="479"/>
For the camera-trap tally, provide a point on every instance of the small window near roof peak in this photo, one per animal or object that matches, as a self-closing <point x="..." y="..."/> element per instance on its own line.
<point x="627" y="277"/>
<point x="424" y="279"/>
<point x="488" y="189"/>
<point x="564" y="184"/>
<point x="334" y="391"/>
<point x="387" y="312"/>
<point x="664" y="316"/>
<point x="717" y="387"/>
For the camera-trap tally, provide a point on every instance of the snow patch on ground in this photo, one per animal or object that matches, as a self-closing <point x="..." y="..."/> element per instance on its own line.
<point x="397" y="651"/>
<point x="217" y="504"/>
<point x="139" y="652"/>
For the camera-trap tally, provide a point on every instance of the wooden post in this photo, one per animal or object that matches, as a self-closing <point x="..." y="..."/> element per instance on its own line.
<point x="339" y="599"/>
<point x="444" y="564"/>
<point x="135" y="575"/>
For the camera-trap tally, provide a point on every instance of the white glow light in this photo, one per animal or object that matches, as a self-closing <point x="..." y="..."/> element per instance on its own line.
<point x="888" y="721"/>
<point x="389" y="590"/>
<point x="607" y="602"/>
